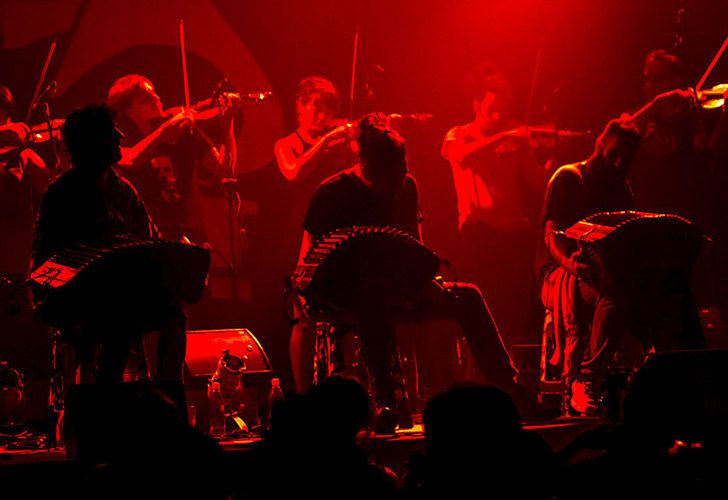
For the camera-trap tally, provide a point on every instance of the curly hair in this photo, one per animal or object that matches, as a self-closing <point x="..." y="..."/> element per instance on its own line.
<point x="319" y="90"/>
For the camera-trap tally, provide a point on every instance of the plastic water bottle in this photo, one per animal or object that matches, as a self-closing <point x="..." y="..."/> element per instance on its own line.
<point x="275" y="396"/>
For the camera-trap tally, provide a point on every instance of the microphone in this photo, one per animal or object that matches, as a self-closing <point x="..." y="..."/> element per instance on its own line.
<point x="219" y="89"/>
<point x="419" y="117"/>
<point x="259" y="96"/>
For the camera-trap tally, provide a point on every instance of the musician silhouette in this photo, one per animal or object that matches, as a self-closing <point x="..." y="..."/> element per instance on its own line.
<point x="379" y="191"/>
<point x="571" y="287"/>
<point x="90" y="204"/>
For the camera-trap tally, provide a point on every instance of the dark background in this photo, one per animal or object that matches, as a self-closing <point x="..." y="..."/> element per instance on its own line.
<point x="413" y="55"/>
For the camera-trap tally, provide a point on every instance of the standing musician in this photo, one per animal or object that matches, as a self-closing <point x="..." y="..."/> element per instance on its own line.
<point x="90" y="204"/>
<point x="319" y="147"/>
<point x="496" y="181"/>
<point x="321" y="144"/>
<point x="165" y="155"/>
<point x="670" y="172"/>
<point x="379" y="192"/>
<point x="23" y="180"/>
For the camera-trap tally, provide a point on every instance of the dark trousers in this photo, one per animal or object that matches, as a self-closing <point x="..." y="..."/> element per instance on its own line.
<point x="461" y="302"/>
<point x="120" y="334"/>
<point x="660" y="313"/>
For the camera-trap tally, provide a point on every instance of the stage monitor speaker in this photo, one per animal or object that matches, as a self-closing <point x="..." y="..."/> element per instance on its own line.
<point x="205" y="347"/>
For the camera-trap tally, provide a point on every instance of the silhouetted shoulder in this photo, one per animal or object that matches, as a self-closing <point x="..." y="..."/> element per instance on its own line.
<point x="567" y="173"/>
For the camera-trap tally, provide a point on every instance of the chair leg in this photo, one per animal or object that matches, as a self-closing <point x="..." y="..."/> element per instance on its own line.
<point x="553" y="392"/>
<point x="57" y="391"/>
<point x="322" y="353"/>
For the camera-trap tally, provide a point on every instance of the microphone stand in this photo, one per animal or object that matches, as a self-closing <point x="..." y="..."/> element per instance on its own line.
<point x="46" y="108"/>
<point x="230" y="189"/>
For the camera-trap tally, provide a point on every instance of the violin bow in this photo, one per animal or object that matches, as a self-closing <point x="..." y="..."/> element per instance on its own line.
<point x="534" y="80"/>
<point x="711" y="65"/>
<point x="43" y="74"/>
<point x="354" y="58"/>
<point x="185" y="75"/>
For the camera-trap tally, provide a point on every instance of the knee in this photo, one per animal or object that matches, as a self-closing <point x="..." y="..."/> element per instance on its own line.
<point x="174" y="317"/>
<point x="303" y="331"/>
<point x="468" y="292"/>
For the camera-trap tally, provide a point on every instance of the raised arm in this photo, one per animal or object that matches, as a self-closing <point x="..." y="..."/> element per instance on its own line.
<point x="137" y="155"/>
<point x="673" y="99"/>
<point x="456" y="148"/>
<point x="296" y="167"/>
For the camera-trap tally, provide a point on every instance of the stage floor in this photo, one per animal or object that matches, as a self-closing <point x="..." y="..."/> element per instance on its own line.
<point x="392" y="451"/>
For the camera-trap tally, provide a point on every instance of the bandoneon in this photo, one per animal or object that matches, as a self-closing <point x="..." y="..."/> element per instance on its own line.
<point x="630" y="246"/>
<point x="358" y="267"/>
<point x="124" y="273"/>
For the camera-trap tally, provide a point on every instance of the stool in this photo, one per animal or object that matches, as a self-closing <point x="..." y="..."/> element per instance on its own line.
<point x="551" y="365"/>
<point x="551" y="390"/>
<point x="73" y="366"/>
<point x="433" y="353"/>
<point x="332" y="349"/>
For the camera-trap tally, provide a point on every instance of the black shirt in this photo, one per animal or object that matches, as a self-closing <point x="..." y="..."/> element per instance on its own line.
<point x="344" y="200"/>
<point x="572" y="194"/>
<point x="77" y="209"/>
<point x="167" y="184"/>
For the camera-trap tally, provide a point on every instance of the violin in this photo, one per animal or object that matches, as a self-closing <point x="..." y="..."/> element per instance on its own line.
<point x="713" y="98"/>
<point x="384" y="119"/>
<point x="217" y="106"/>
<point x="16" y="136"/>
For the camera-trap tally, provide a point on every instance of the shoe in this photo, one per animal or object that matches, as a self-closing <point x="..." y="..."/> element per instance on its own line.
<point x="384" y="420"/>
<point x="585" y="399"/>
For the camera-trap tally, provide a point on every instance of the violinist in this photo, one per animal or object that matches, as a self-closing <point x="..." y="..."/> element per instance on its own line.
<point x="23" y="180"/>
<point x="497" y="181"/>
<point x="164" y="154"/>
<point x="670" y="173"/>
<point x="322" y="144"/>
<point x="672" y="168"/>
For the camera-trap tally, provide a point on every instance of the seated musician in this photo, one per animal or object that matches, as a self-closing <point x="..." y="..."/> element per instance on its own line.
<point x="90" y="204"/>
<point x="379" y="192"/>
<point x="569" y="278"/>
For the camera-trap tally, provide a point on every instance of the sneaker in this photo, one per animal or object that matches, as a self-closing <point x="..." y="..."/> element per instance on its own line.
<point x="585" y="399"/>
